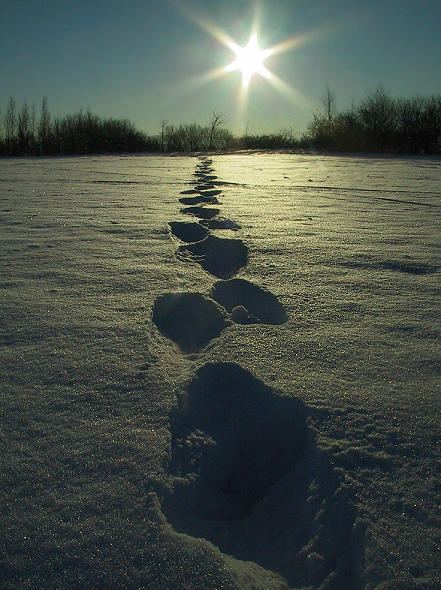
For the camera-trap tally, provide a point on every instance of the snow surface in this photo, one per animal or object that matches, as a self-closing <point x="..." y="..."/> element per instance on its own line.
<point x="256" y="409"/>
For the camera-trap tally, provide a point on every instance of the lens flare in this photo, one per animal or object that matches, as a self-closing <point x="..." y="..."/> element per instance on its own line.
<point x="249" y="60"/>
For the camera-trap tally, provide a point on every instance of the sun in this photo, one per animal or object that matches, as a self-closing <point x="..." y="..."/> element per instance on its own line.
<point x="249" y="60"/>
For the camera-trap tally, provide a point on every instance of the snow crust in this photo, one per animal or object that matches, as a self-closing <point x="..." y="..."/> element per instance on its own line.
<point x="251" y="404"/>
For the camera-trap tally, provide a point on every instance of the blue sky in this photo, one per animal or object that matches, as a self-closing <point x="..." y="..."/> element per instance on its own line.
<point x="142" y="59"/>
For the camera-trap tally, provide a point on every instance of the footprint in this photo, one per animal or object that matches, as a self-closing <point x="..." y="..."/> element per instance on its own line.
<point x="219" y="256"/>
<point x="201" y="212"/>
<point x="220" y="223"/>
<point x="204" y="187"/>
<point x="203" y="171"/>
<point x="204" y="179"/>
<point x="210" y="194"/>
<point x="188" y="232"/>
<point x="261" y="305"/>
<point x="245" y="473"/>
<point x="189" y="319"/>
<point x="198" y="199"/>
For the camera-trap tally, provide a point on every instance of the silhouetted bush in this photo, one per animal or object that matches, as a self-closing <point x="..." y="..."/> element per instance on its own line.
<point x="81" y="133"/>
<point x="381" y="124"/>
<point x="266" y="142"/>
<point x="192" y="137"/>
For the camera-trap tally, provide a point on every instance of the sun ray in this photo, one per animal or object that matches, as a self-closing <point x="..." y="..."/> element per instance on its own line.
<point x="249" y="59"/>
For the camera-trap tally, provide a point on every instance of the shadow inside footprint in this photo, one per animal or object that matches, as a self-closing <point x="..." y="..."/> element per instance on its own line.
<point x="246" y="453"/>
<point x="261" y="305"/>
<point x="220" y="224"/>
<point x="219" y="256"/>
<point x="188" y="232"/>
<point x="201" y="212"/>
<point x="203" y="178"/>
<point x="203" y="171"/>
<point x="204" y="187"/>
<point x="246" y="474"/>
<point x="209" y="194"/>
<point x="198" y="199"/>
<point x="189" y="319"/>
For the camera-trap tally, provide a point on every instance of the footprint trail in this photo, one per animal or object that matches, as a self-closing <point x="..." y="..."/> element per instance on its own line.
<point x="245" y="472"/>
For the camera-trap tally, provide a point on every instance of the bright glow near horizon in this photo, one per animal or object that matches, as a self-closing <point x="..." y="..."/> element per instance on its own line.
<point x="249" y="59"/>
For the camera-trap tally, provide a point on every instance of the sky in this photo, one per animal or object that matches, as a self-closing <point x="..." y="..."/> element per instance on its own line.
<point x="148" y="60"/>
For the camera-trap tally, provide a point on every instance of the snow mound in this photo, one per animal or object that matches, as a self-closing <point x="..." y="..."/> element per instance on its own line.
<point x="189" y="319"/>
<point x="188" y="232"/>
<point x="219" y="256"/>
<point x="257" y="301"/>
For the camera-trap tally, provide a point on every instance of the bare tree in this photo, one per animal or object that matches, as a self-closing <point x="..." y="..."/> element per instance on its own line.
<point x="216" y="121"/>
<point x="24" y="129"/>
<point x="328" y="101"/>
<point x="163" y="130"/>
<point x="10" y="122"/>
<point x="44" y="127"/>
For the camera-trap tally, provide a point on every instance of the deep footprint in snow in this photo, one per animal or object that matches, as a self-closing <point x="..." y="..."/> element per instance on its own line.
<point x="204" y="187"/>
<point x="210" y="194"/>
<point x="189" y="319"/>
<point x="201" y="212"/>
<point x="261" y="305"/>
<point x="220" y="223"/>
<point x="219" y="256"/>
<point x="198" y="199"/>
<point x="204" y="171"/>
<point x="188" y="232"/>
<point x="245" y="473"/>
<point x="204" y="179"/>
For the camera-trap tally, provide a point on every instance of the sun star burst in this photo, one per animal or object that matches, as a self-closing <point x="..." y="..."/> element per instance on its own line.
<point x="249" y="60"/>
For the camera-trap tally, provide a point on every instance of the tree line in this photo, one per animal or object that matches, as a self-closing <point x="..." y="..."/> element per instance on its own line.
<point x="23" y="132"/>
<point x="379" y="123"/>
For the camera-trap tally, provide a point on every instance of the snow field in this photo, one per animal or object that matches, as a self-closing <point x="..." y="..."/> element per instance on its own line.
<point x="165" y="427"/>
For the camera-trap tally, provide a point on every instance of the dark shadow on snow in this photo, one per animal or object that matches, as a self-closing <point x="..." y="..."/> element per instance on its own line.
<point x="261" y="305"/>
<point x="221" y="223"/>
<point x="246" y="474"/>
<point x="209" y="194"/>
<point x="198" y="199"/>
<point x="204" y="187"/>
<point x="219" y="256"/>
<point x="188" y="232"/>
<point x="189" y="319"/>
<point x="415" y="268"/>
<point x="201" y="212"/>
